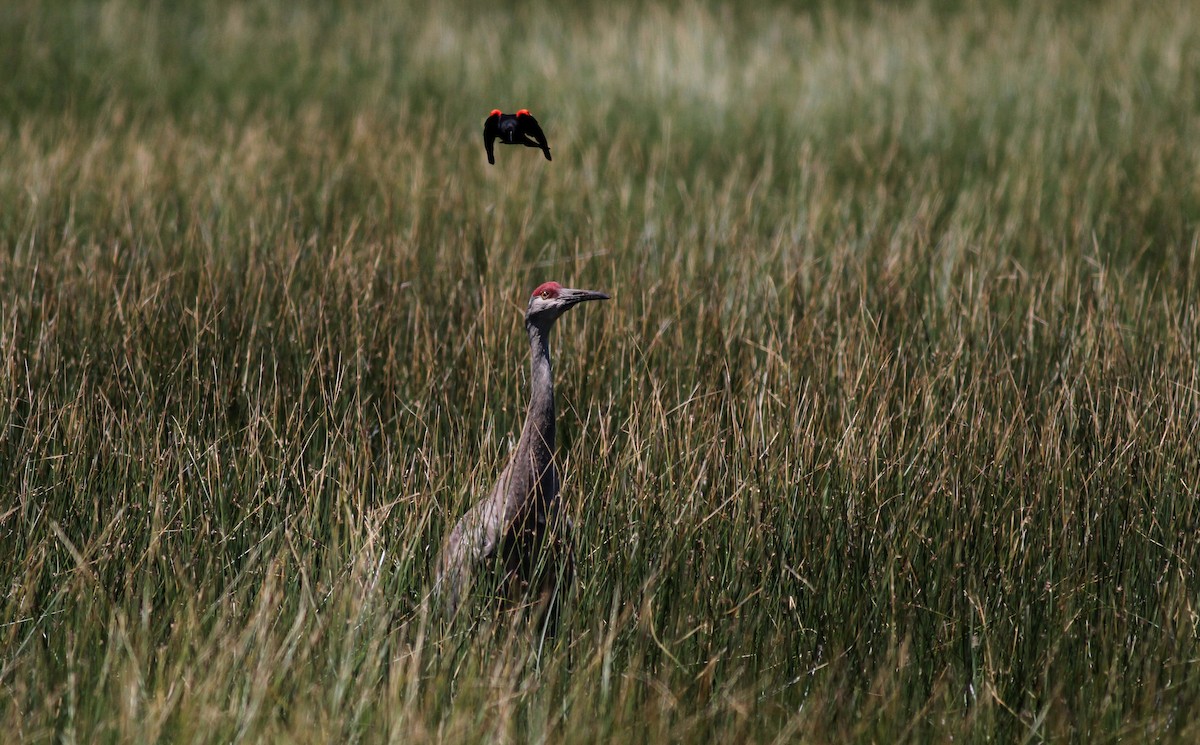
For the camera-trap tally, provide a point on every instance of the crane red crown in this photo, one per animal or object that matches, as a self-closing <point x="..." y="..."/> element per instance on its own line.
<point x="548" y="287"/>
<point x="524" y="112"/>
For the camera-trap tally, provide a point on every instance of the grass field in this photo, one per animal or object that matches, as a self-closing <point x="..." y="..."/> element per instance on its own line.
<point x="891" y="431"/>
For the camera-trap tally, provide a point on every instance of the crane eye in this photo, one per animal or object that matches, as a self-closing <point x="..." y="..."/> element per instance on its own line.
<point x="545" y="294"/>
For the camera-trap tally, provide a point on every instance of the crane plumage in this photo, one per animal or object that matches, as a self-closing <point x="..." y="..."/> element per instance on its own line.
<point x="520" y="523"/>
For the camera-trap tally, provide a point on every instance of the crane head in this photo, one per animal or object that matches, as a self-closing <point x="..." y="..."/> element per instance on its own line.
<point x="550" y="300"/>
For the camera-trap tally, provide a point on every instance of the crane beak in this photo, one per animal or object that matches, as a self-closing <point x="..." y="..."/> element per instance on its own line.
<point x="573" y="297"/>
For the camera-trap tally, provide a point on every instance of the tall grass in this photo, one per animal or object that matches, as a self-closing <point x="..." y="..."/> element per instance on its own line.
<point x="890" y="432"/>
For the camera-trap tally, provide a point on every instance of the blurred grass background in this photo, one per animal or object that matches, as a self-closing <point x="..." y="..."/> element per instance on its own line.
<point x="890" y="432"/>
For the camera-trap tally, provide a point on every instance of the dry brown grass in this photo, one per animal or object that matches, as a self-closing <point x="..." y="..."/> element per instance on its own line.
<point x="889" y="433"/>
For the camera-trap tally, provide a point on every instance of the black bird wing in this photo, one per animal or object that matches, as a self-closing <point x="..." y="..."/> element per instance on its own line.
<point x="491" y="130"/>
<point x="530" y="126"/>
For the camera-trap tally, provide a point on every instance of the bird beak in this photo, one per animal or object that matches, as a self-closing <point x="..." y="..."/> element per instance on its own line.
<point x="579" y="296"/>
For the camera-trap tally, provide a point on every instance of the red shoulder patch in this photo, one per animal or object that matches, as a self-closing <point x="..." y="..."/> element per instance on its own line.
<point x="547" y="289"/>
<point x="524" y="112"/>
<point x="495" y="112"/>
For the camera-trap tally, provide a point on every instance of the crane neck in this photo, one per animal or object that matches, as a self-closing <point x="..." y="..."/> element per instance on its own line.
<point x="540" y="421"/>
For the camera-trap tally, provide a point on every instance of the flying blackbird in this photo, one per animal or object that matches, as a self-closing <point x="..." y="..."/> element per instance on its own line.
<point x="513" y="129"/>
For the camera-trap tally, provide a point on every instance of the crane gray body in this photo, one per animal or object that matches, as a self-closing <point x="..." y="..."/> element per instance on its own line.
<point x="519" y="528"/>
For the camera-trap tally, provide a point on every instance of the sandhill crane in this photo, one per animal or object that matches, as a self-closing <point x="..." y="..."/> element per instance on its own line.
<point x="518" y="529"/>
